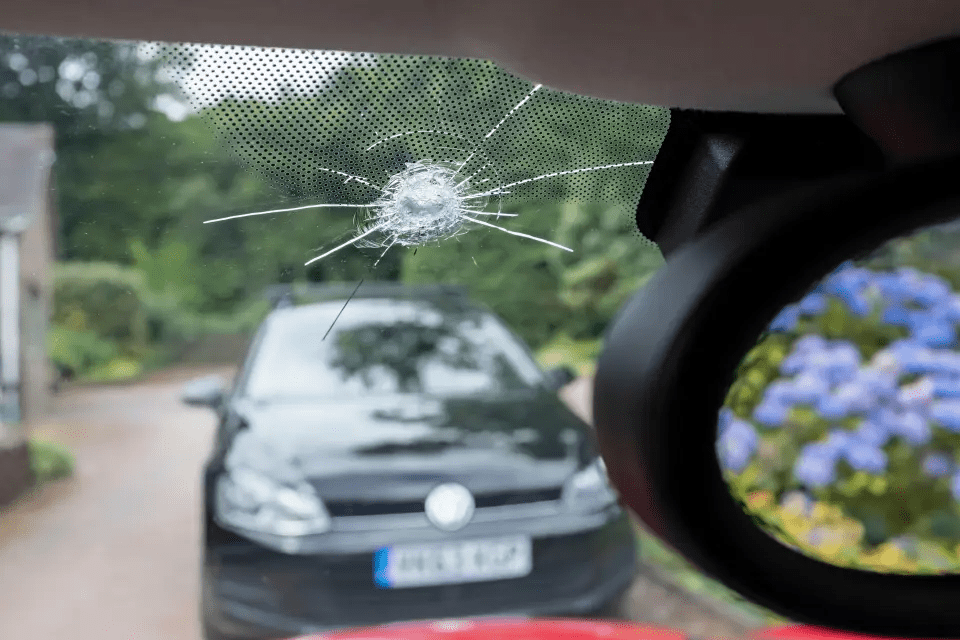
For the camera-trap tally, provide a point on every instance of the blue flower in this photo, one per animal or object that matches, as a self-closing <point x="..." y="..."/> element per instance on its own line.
<point x="882" y="385"/>
<point x="945" y="363"/>
<point x="813" y="304"/>
<point x="786" y="320"/>
<point x="834" y="407"/>
<point x="815" y="466"/>
<point x="946" y="413"/>
<point x="837" y="442"/>
<point x="938" y="465"/>
<point x="874" y="433"/>
<point x="950" y="309"/>
<point x="810" y="343"/>
<point x="737" y="445"/>
<point x="955" y="485"/>
<point x="866" y="457"/>
<point x="793" y="364"/>
<point x="807" y="388"/>
<point x="896" y="315"/>
<point x="931" y="291"/>
<point x="917" y="395"/>
<point x="912" y="428"/>
<point x="725" y="419"/>
<point x="771" y="413"/>
<point x="946" y="387"/>
<point x="934" y="334"/>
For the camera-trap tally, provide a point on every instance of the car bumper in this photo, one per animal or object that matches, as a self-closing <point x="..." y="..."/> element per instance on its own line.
<point x="250" y="592"/>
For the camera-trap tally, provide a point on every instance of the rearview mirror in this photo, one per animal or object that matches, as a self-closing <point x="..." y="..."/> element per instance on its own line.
<point x="204" y="392"/>
<point x="836" y="465"/>
<point x="559" y="377"/>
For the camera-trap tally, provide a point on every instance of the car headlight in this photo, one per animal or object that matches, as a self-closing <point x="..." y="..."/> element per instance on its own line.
<point x="246" y="499"/>
<point x="589" y="489"/>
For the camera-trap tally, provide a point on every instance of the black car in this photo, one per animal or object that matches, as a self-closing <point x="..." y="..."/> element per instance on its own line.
<point x="413" y="463"/>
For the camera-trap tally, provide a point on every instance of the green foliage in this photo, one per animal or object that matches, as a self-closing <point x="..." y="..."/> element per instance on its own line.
<point x="103" y="298"/>
<point x="49" y="461"/>
<point x="79" y="351"/>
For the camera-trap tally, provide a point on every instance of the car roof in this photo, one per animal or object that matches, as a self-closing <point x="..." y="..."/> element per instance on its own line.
<point x="742" y="55"/>
<point x="299" y="295"/>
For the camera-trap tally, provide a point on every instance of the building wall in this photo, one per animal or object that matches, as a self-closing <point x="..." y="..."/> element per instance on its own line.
<point x="36" y="295"/>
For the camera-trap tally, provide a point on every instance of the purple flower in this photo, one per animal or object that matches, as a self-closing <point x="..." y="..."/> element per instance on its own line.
<point x="815" y="466"/>
<point x="946" y="413"/>
<point x="866" y="457"/>
<point x="737" y="445"/>
<point x="938" y="465"/>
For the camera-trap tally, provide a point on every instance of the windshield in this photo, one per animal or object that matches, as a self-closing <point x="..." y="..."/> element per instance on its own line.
<point x="173" y="198"/>
<point x="386" y="347"/>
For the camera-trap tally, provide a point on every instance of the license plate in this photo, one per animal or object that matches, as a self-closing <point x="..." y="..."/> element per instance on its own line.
<point x="452" y="562"/>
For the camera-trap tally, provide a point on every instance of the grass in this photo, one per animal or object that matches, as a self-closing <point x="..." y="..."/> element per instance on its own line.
<point x="49" y="461"/>
<point x="654" y="553"/>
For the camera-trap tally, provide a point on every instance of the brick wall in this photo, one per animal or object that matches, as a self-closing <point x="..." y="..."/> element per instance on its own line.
<point x="15" y="474"/>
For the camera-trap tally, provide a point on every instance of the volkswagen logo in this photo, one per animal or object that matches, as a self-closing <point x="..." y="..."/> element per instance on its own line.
<point x="449" y="506"/>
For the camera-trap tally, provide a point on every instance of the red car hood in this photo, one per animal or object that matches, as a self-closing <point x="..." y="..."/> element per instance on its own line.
<point x="506" y="630"/>
<point x="524" y="629"/>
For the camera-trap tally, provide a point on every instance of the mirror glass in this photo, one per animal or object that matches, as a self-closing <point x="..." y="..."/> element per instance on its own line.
<point x="841" y="430"/>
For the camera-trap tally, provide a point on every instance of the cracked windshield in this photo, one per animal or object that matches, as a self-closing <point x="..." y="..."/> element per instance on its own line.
<point x="299" y="341"/>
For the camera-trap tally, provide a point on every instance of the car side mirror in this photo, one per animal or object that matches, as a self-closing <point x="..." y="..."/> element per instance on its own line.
<point x="204" y="392"/>
<point x="559" y="377"/>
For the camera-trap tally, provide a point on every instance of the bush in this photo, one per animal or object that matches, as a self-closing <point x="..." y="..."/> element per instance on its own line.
<point x="109" y="300"/>
<point x="75" y="352"/>
<point x="841" y="432"/>
<point x="49" y="461"/>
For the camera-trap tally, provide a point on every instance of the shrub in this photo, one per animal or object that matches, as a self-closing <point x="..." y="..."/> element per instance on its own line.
<point x="49" y="461"/>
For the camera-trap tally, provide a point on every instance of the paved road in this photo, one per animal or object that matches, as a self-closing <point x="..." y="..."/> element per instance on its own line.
<point x="112" y="554"/>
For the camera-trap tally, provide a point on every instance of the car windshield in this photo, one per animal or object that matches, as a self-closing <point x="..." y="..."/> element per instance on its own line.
<point x="386" y="347"/>
<point x="201" y="448"/>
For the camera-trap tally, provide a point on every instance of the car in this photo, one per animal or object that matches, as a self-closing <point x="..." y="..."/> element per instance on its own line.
<point x="404" y="459"/>
<point x="743" y="60"/>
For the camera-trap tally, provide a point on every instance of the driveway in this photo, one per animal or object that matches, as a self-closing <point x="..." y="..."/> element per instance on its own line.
<point x="113" y="553"/>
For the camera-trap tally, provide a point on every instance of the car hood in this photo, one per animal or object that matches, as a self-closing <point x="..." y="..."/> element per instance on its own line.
<point x="397" y="448"/>
<point x="507" y="630"/>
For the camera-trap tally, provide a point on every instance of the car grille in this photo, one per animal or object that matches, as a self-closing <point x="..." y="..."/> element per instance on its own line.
<point x="483" y="501"/>
<point x="335" y="590"/>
